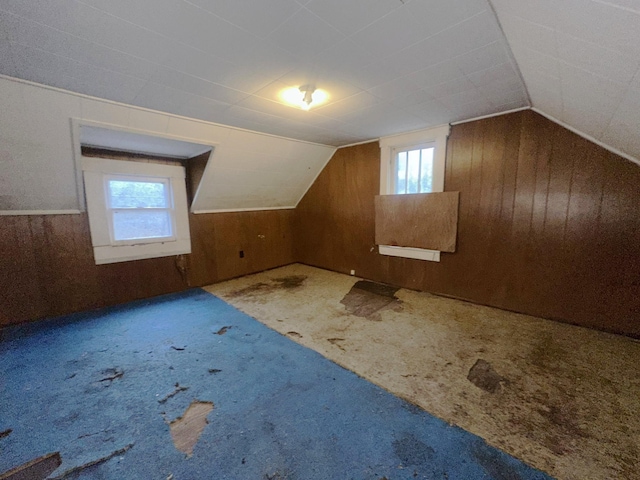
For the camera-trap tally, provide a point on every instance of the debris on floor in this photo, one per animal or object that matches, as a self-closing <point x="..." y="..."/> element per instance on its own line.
<point x="36" y="469"/>
<point x="186" y="430"/>
<point x="483" y="376"/>
<point x="111" y="374"/>
<point x="6" y="433"/>
<point x="179" y="349"/>
<point x="294" y="334"/>
<point x="214" y="370"/>
<point x="179" y="388"/>
<point x="366" y="299"/>
<point x="223" y="330"/>
<point x="84" y="466"/>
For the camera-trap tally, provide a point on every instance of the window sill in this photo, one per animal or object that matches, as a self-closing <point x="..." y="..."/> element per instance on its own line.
<point x="409" y="252"/>
<point x="124" y="253"/>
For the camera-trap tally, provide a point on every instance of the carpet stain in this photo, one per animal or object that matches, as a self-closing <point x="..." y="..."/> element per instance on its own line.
<point x="367" y="299"/>
<point x="493" y="464"/>
<point x="186" y="430"/>
<point x="483" y="376"/>
<point x="412" y="451"/>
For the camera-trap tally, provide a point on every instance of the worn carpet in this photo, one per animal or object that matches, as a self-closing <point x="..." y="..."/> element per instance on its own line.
<point x="187" y="387"/>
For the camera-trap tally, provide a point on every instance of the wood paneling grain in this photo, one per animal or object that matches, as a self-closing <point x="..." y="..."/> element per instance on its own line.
<point x="425" y="220"/>
<point x="47" y="265"/>
<point x="548" y="224"/>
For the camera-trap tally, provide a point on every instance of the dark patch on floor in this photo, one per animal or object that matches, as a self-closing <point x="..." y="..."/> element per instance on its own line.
<point x="367" y="299"/>
<point x="336" y="342"/>
<point x="256" y="288"/>
<point x="410" y="407"/>
<point x="5" y="433"/>
<point x="261" y="288"/>
<point x="494" y="464"/>
<point x="279" y="475"/>
<point x="483" y="376"/>
<point x="292" y="281"/>
<point x="37" y="469"/>
<point x="294" y="334"/>
<point x="412" y="451"/>
<point x="561" y="440"/>
<point x="377" y="288"/>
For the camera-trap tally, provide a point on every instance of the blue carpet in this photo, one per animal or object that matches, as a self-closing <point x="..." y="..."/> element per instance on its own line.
<point x="89" y="384"/>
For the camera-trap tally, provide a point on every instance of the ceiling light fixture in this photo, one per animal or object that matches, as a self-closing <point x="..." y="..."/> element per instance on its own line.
<point x="304" y="97"/>
<point x="307" y="96"/>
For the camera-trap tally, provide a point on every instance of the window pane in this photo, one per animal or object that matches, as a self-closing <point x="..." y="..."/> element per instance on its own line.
<point x="137" y="194"/>
<point x="413" y="168"/>
<point x="426" y="172"/>
<point x="401" y="173"/>
<point x="134" y="224"/>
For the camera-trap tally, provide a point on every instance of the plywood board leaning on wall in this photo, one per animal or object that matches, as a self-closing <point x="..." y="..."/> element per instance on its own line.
<point x="423" y="220"/>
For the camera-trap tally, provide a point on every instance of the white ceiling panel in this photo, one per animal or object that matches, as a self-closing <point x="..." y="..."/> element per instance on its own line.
<point x="226" y="61"/>
<point x="579" y="59"/>
<point x="305" y="35"/>
<point x="243" y="14"/>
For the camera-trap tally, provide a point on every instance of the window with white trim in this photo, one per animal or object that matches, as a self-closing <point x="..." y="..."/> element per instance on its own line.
<point x="413" y="169"/>
<point x="413" y="163"/>
<point x="136" y="210"/>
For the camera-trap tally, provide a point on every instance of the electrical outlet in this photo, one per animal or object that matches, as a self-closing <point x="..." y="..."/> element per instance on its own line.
<point x="353" y="272"/>
<point x="241" y="253"/>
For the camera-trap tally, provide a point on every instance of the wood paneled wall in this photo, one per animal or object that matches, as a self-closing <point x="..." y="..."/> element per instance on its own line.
<point x="47" y="266"/>
<point x="548" y="223"/>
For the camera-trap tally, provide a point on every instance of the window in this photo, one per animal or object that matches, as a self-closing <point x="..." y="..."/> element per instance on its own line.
<point x="136" y="210"/>
<point x="140" y="210"/>
<point x="413" y="163"/>
<point x="413" y="169"/>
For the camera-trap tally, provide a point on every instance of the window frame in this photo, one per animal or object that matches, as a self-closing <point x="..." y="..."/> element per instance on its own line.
<point x="96" y="172"/>
<point x="397" y="143"/>
<point x="111" y="210"/>
<point x="396" y="151"/>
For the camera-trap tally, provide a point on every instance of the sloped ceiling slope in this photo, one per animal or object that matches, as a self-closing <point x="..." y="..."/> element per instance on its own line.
<point x="580" y="63"/>
<point x="389" y="66"/>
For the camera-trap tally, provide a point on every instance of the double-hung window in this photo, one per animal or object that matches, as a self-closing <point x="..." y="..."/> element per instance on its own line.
<point x="136" y="210"/>
<point x="413" y="163"/>
<point x="140" y="209"/>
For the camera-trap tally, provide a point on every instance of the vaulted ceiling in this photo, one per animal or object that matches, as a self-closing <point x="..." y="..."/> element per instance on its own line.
<point x="389" y="66"/>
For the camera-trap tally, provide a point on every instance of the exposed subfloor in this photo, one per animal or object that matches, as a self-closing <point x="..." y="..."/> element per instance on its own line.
<point x="562" y="398"/>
